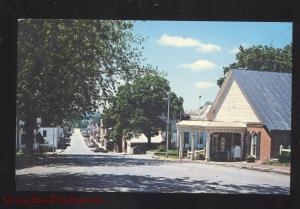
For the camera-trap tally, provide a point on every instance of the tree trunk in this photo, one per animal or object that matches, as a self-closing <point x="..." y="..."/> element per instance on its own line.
<point x="149" y="143"/>
<point x="29" y="135"/>
<point x="124" y="144"/>
<point x="117" y="146"/>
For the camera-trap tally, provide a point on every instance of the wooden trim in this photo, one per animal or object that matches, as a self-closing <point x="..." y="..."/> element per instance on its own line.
<point x="220" y="96"/>
<point x="249" y="102"/>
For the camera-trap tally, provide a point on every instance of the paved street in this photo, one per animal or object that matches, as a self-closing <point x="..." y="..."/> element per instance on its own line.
<point x="77" y="145"/>
<point x="79" y="169"/>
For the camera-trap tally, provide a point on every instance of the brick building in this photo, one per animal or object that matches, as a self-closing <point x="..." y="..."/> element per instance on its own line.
<point x="252" y="111"/>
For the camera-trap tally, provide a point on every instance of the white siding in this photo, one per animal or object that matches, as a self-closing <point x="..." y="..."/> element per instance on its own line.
<point x="52" y="134"/>
<point x="235" y="107"/>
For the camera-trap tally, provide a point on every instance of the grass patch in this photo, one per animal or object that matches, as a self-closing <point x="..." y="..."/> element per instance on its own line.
<point x="19" y="154"/>
<point x="24" y="156"/>
<point x="171" y="153"/>
<point x="24" y="160"/>
<point x="169" y="156"/>
<point x="153" y="150"/>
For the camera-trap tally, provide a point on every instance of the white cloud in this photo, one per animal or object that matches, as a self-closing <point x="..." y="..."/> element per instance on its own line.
<point x="208" y="48"/>
<point x="179" y="42"/>
<point x="199" y="65"/>
<point x="204" y="84"/>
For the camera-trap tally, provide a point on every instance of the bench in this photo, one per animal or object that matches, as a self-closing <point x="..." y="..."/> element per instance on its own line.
<point x="189" y="154"/>
<point x="197" y="154"/>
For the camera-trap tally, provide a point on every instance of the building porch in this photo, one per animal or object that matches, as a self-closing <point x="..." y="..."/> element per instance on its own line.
<point x="224" y="141"/>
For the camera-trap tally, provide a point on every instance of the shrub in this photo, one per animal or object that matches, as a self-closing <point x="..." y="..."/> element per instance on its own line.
<point x="200" y="157"/>
<point x="46" y="149"/>
<point x="285" y="157"/>
<point x="250" y="159"/>
<point x="162" y="148"/>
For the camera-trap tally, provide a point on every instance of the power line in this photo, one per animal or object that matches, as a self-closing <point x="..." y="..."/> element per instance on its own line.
<point x="276" y="34"/>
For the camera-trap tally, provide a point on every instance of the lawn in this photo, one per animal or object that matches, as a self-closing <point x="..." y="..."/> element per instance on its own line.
<point x="25" y="160"/>
<point x="171" y="153"/>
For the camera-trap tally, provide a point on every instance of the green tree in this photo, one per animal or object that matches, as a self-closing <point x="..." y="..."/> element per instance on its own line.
<point x="68" y="67"/>
<point x="138" y="108"/>
<point x="261" y="58"/>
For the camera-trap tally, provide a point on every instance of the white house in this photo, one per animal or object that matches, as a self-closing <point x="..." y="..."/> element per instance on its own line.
<point x="142" y="141"/>
<point x="51" y="135"/>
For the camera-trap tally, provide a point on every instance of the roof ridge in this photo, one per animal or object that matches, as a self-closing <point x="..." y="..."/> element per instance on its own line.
<point x="258" y="71"/>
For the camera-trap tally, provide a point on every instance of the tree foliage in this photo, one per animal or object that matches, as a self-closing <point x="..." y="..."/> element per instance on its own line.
<point x="68" y="67"/>
<point x="262" y="58"/>
<point x="138" y="108"/>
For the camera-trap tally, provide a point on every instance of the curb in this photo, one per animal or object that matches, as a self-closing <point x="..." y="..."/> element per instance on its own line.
<point x="268" y="170"/>
<point x="225" y="165"/>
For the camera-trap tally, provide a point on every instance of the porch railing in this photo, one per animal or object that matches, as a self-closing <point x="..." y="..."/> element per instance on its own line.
<point x="281" y="150"/>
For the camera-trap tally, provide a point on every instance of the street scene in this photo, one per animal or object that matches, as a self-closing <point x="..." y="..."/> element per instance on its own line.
<point x="80" y="169"/>
<point x="153" y="106"/>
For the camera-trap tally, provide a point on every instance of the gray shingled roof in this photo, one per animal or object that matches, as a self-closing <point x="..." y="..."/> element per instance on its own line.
<point x="270" y="95"/>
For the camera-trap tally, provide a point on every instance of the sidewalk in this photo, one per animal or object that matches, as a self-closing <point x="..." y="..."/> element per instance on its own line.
<point x="242" y="165"/>
<point x="57" y="151"/>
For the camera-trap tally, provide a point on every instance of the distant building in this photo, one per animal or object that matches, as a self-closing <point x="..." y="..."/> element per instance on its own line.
<point x="200" y="115"/>
<point x="137" y="145"/>
<point x="51" y="135"/>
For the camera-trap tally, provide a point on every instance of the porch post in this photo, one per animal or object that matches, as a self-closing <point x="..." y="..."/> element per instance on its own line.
<point x="180" y="144"/>
<point x="242" y="145"/>
<point x="251" y="146"/>
<point x="207" y="146"/>
<point x="177" y="138"/>
<point x="192" y="145"/>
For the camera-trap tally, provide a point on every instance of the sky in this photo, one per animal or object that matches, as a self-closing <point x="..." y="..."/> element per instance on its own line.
<point x="193" y="53"/>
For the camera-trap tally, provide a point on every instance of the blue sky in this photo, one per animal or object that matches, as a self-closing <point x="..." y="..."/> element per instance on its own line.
<point x="194" y="52"/>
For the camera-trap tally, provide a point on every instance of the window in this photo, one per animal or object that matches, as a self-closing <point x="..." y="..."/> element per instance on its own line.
<point x="174" y="137"/>
<point x="186" y="137"/>
<point x="196" y="140"/>
<point x="254" y="144"/>
<point x="201" y="137"/>
<point x="44" y="133"/>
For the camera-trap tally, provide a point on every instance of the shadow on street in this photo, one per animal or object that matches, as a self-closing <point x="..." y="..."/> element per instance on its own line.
<point x="87" y="160"/>
<point x="134" y="183"/>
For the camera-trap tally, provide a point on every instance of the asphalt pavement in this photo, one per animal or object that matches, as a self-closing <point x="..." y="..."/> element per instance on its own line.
<point x="80" y="169"/>
<point x="77" y="145"/>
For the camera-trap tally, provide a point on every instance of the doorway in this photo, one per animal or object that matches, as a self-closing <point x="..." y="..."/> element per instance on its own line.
<point x="222" y="144"/>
